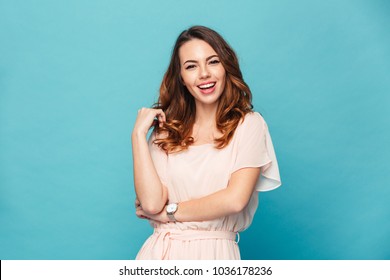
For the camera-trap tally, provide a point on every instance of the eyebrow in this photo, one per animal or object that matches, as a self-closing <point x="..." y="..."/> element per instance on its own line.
<point x="194" y="61"/>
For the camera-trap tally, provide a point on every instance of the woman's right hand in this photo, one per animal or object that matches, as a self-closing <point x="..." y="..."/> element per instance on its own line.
<point x="146" y="118"/>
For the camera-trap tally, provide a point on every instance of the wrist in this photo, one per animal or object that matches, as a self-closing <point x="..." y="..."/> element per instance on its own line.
<point x="138" y="134"/>
<point x="171" y="210"/>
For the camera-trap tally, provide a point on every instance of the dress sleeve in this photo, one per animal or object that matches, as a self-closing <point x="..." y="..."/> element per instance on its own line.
<point x="255" y="149"/>
<point x="159" y="158"/>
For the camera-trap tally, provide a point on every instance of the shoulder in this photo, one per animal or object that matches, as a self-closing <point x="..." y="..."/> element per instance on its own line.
<point x="253" y="120"/>
<point x="253" y="125"/>
<point x="154" y="136"/>
<point x="158" y="136"/>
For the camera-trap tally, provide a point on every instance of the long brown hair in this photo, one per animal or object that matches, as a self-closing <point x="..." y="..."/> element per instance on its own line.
<point x="179" y="105"/>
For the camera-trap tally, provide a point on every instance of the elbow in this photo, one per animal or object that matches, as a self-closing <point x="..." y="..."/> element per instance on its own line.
<point x="152" y="208"/>
<point x="155" y="205"/>
<point x="237" y="206"/>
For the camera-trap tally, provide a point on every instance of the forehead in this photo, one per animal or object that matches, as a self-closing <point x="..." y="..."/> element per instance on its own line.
<point x="195" y="49"/>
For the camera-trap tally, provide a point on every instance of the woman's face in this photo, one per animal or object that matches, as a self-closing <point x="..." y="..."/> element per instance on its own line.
<point x="202" y="72"/>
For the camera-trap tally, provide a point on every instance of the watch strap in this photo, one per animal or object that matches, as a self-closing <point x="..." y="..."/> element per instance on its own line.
<point x="170" y="214"/>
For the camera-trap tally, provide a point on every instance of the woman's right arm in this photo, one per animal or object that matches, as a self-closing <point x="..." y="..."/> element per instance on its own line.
<point x="151" y="193"/>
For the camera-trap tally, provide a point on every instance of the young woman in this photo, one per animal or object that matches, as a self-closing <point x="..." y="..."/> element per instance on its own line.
<point x="197" y="178"/>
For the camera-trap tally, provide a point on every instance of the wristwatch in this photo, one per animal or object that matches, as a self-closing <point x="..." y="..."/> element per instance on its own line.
<point x="171" y="210"/>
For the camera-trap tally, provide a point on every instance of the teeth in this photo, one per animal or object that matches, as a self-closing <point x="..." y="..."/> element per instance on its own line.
<point x="207" y="86"/>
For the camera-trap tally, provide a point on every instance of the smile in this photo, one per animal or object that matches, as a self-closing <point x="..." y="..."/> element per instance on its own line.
<point x="206" y="86"/>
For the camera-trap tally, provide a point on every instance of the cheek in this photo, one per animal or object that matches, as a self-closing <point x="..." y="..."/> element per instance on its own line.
<point x="223" y="81"/>
<point x="187" y="79"/>
<point x="220" y="73"/>
<point x="182" y="77"/>
<point x="223" y="74"/>
<point x="222" y="77"/>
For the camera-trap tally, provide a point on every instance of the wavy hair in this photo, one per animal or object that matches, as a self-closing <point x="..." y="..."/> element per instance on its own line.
<point x="179" y="105"/>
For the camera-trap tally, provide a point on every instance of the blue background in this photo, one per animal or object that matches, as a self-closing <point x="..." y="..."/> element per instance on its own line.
<point x="74" y="73"/>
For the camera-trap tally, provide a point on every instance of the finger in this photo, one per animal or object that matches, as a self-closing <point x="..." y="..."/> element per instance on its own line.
<point x="162" y="116"/>
<point x="140" y="213"/>
<point x="159" y="113"/>
<point x="143" y="217"/>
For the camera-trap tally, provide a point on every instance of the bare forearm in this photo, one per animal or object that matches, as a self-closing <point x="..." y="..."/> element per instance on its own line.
<point x="207" y="208"/>
<point x="225" y="202"/>
<point x="231" y="200"/>
<point x="149" y="189"/>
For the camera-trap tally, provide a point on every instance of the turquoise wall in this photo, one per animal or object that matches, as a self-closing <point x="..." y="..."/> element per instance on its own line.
<point x="74" y="73"/>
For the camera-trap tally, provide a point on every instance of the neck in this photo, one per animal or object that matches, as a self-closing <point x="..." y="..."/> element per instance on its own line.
<point x="206" y="114"/>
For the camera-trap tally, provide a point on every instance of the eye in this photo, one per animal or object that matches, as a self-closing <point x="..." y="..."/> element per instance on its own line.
<point x="190" y="66"/>
<point x="214" y="61"/>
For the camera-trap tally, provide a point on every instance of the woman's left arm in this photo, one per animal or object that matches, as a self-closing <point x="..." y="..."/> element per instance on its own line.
<point x="225" y="202"/>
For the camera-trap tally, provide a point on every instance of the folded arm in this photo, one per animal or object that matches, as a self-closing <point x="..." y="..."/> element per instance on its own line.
<point x="228" y="201"/>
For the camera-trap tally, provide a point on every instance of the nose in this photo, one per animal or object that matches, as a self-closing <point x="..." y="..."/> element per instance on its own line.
<point x="204" y="72"/>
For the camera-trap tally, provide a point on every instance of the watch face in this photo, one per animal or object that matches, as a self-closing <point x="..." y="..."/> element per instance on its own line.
<point x="171" y="208"/>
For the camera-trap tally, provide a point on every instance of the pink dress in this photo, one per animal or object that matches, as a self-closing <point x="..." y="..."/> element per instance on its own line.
<point x="202" y="170"/>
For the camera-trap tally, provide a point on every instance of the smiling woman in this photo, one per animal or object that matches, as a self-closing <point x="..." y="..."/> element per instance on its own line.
<point x="197" y="178"/>
<point x="204" y="77"/>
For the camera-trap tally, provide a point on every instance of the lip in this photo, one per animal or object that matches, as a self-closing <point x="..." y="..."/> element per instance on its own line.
<point x="205" y="83"/>
<point x="207" y="91"/>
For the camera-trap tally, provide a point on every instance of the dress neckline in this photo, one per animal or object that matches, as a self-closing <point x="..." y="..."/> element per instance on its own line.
<point x="201" y="145"/>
